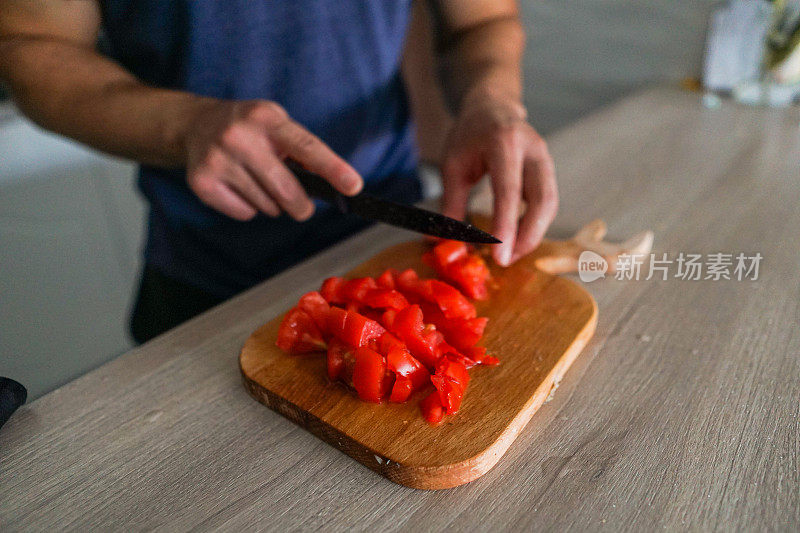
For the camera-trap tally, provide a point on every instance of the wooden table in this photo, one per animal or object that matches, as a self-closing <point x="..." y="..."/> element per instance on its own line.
<point x="681" y="413"/>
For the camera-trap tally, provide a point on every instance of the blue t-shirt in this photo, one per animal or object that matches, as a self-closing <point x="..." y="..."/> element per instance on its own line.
<point x="334" y="65"/>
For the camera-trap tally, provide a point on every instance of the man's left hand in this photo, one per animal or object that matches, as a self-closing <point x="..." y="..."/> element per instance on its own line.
<point x="491" y="135"/>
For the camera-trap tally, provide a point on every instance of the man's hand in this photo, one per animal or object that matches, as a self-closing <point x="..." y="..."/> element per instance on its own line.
<point x="491" y="135"/>
<point x="234" y="160"/>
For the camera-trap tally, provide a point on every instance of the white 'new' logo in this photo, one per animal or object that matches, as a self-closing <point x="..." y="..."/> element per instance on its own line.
<point x="591" y="266"/>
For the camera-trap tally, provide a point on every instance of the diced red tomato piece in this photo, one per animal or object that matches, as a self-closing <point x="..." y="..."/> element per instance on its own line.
<point x="432" y="409"/>
<point x="478" y="354"/>
<point x="407" y="281"/>
<point x="354" y="290"/>
<point x="384" y="299"/>
<point x="338" y="353"/>
<point x="446" y="252"/>
<point x="387" y="319"/>
<point x="299" y="334"/>
<point x="465" y="333"/>
<point x="451" y="380"/>
<point x="470" y="275"/>
<point x="455" y="263"/>
<point x="459" y="332"/>
<point x="404" y="365"/>
<point x="452" y="303"/>
<point x="369" y="375"/>
<point x="401" y="390"/>
<point x="317" y="308"/>
<point x="387" y="341"/>
<point x="408" y="326"/>
<point x="353" y="328"/>
<point x="386" y="279"/>
<point x="331" y="290"/>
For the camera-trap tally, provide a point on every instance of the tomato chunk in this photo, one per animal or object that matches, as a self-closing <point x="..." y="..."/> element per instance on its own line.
<point x="369" y="375"/>
<point x="317" y="308"/>
<point x="331" y="290"/>
<point x="353" y="328"/>
<point x="384" y="299"/>
<point x="386" y="279"/>
<point x="455" y="263"/>
<point x="452" y="303"/>
<point x="299" y="334"/>
<point x="355" y="290"/>
<point x="451" y="380"/>
<point x="408" y="326"/>
<point x="432" y="409"/>
<point x="340" y="361"/>
<point x="401" y="390"/>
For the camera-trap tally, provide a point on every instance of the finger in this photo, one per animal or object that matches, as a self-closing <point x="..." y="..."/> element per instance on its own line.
<point x="295" y="141"/>
<point x="455" y="194"/>
<point x="216" y="194"/>
<point x="541" y="193"/>
<point x="252" y="149"/>
<point x="248" y="188"/>
<point x="505" y="170"/>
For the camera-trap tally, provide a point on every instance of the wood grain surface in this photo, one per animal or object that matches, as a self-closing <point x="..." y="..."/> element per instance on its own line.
<point x="682" y="413"/>
<point x="538" y="324"/>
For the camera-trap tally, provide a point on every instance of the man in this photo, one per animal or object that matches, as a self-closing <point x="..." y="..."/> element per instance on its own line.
<point x="212" y="97"/>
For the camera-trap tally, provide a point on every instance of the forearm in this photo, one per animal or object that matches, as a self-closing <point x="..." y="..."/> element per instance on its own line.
<point x="431" y="116"/>
<point x="73" y="90"/>
<point x="483" y="60"/>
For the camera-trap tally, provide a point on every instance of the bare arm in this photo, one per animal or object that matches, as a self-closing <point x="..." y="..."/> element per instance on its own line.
<point x="480" y="45"/>
<point x="233" y="151"/>
<point x="48" y="59"/>
<point x="420" y="72"/>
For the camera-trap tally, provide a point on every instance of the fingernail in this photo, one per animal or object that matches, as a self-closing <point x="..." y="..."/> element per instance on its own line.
<point x="505" y="256"/>
<point x="356" y="185"/>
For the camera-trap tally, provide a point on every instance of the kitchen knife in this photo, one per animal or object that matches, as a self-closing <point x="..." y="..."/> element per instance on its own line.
<point x="403" y="216"/>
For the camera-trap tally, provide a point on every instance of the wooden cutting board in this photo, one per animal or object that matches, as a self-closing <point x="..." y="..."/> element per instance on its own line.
<point x="538" y="323"/>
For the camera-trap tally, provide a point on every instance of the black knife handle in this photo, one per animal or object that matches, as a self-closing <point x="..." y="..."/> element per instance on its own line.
<point x="316" y="186"/>
<point x="12" y="395"/>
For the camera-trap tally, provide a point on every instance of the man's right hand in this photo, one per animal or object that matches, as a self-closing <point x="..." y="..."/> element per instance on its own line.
<point x="234" y="160"/>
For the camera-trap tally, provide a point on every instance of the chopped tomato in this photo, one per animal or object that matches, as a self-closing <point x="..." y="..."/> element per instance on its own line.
<point x="353" y="328"/>
<point x="451" y="380"/>
<point x="401" y="390"/>
<point x="369" y="375"/>
<point x="355" y="290"/>
<point x="446" y="252"/>
<point x="331" y="290"/>
<point x="459" y="332"/>
<point x="470" y="275"/>
<point x="478" y="354"/>
<point x="317" y="308"/>
<point x="407" y="281"/>
<point x="384" y="299"/>
<point x="386" y="280"/>
<point x="338" y="353"/>
<point x="465" y="333"/>
<point x="390" y="336"/>
<point x="409" y="327"/>
<point x="455" y="263"/>
<point x="400" y="361"/>
<point x="387" y="319"/>
<point x="452" y="303"/>
<point x="387" y="341"/>
<point x="432" y="409"/>
<point x="299" y="334"/>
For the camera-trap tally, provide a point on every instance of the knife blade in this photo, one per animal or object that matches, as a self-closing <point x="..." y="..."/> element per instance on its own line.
<point x="400" y="215"/>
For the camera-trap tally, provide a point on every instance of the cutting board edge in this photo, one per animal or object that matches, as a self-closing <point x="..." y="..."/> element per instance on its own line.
<point x="419" y="476"/>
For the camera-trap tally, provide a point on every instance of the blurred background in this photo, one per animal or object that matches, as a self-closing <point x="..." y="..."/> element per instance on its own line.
<point x="72" y="222"/>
